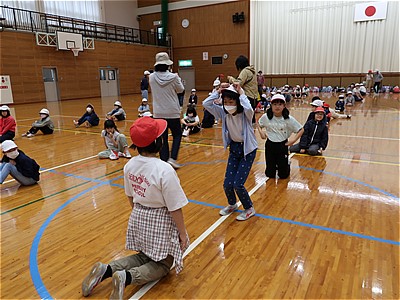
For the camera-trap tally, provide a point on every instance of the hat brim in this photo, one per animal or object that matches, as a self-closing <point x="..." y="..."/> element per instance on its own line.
<point x="167" y="62"/>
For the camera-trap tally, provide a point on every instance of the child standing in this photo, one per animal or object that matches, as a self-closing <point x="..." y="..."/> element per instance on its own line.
<point x="115" y="142"/>
<point x="191" y="122"/>
<point x="7" y="124"/>
<point x="44" y="124"/>
<point x="236" y="114"/>
<point x="279" y="126"/>
<point x="89" y="118"/>
<point x="118" y="113"/>
<point x="192" y="98"/>
<point x="16" y="163"/>
<point x="315" y="137"/>
<point x="156" y="228"/>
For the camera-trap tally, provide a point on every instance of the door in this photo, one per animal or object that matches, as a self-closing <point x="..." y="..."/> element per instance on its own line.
<point x="109" y="82"/>
<point x="50" y="80"/>
<point x="188" y="79"/>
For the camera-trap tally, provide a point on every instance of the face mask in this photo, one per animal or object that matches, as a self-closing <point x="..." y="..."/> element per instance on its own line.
<point x="230" y="109"/>
<point x="12" y="154"/>
<point x="43" y="116"/>
<point x="190" y="115"/>
<point x="89" y="110"/>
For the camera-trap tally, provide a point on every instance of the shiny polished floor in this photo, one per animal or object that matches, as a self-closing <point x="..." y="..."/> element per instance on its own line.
<point x="331" y="231"/>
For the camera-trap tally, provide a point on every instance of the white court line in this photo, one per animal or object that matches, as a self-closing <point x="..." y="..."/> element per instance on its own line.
<point x="140" y="293"/>
<point x="365" y="137"/>
<point x="60" y="166"/>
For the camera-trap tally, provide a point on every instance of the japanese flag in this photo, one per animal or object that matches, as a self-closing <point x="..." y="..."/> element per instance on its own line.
<point x="370" y="11"/>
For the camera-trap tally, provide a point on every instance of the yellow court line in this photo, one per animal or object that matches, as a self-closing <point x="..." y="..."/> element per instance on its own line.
<point x="299" y="154"/>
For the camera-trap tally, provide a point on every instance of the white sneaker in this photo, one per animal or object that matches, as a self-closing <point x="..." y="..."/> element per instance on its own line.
<point x="25" y="134"/>
<point x="127" y="154"/>
<point x="120" y="154"/>
<point x="118" y="285"/>
<point x="246" y="214"/>
<point x="174" y="163"/>
<point x="113" y="155"/>
<point x="30" y="134"/>
<point x="228" y="210"/>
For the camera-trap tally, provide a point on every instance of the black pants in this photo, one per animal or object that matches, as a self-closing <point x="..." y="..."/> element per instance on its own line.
<point x="276" y="158"/>
<point x="377" y="86"/>
<point x="45" y="130"/>
<point x="9" y="135"/>
<point x="175" y="126"/>
<point x="253" y="103"/>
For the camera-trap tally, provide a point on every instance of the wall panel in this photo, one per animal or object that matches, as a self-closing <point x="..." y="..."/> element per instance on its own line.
<point x="78" y="76"/>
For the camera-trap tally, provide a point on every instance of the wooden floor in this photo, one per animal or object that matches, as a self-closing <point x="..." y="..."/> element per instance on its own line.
<point x="331" y="231"/>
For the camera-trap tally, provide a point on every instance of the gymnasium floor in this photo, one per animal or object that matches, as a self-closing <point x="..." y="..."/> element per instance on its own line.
<point x="330" y="232"/>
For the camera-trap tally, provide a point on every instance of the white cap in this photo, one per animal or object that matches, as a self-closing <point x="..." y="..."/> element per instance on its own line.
<point x="117" y="103"/>
<point x="349" y="92"/>
<point x="193" y="90"/>
<point x="341" y="96"/>
<point x="279" y="91"/>
<point x="216" y="82"/>
<point x="357" y="84"/>
<point x="4" y="108"/>
<point x="278" y="97"/>
<point x="44" y="111"/>
<point x="147" y="114"/>
<point x="264" y="96"/>
<point x="144" y="99"/>
<point x="317" y="103"/>
<point x="232" y="89"/>
<point x="146" y="72"/>
<point x="8" y="145"/>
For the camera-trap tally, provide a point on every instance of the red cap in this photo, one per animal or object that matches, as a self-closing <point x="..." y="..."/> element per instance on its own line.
<point x="326" y="105"/>
<point x="146" y="130"/>
<point x="319" y="109"/>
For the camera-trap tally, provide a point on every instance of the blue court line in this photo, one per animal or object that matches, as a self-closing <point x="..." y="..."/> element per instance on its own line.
<point x="351" y="179"/>
<point x="33" y="263"/>
<point x="363" y="236"/>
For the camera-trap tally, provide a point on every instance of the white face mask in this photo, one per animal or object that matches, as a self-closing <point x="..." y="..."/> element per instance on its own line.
<point x="12" y="154"/>
<point x="230" y="109"/>
<point x="89" y="110"/>
<point x="43" y="116"/>
<point x="190" y="115"/>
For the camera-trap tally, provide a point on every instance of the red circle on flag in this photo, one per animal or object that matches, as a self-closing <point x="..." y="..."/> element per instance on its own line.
<point x="370" y="11"/>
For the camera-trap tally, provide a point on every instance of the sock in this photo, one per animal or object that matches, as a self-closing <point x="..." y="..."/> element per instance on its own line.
<point x="107" y="274"/>
<point x="128" y="279"/>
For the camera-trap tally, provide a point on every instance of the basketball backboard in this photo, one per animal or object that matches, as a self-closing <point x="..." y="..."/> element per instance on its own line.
<point x="67" y="41"/>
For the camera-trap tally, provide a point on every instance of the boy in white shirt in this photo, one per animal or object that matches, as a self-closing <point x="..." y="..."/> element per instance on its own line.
<point x="156" y="228"/>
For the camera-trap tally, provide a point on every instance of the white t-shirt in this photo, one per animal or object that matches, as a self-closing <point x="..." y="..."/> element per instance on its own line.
<point x="234" y="124"/>
<point x="153" y="183"/>
<point x="109" y="143"/>
<point x="278" y="129"/>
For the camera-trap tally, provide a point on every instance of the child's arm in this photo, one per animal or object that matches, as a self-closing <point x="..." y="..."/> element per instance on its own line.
<point x="293" y="140"/>
<point x="177" y="216"/>
<point x="130" y="200"/>
<point x="263" y="135"/>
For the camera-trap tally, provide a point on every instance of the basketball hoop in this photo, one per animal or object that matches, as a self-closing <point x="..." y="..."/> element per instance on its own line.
<point x="75" y="51"/>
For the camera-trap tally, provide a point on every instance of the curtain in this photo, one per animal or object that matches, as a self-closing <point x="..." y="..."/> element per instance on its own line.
<point x="295" y="37"/>
<point x="87" y="10"/>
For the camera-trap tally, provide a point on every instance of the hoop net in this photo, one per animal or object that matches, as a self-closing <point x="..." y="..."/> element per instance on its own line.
<point x="75" y="51"/>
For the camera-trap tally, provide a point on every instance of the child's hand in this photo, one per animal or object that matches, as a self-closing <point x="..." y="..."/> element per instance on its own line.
<point x="184" y="241"/>
<point x="302" y="151"/>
